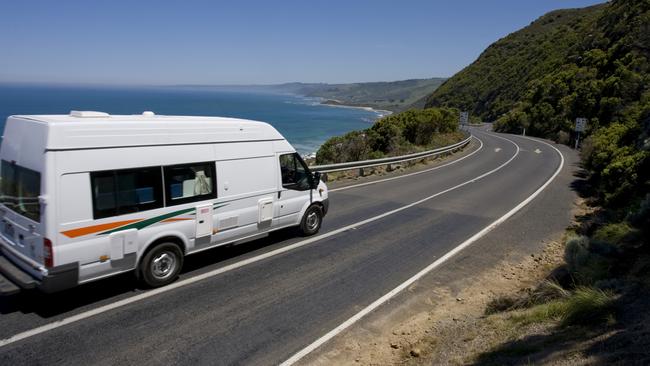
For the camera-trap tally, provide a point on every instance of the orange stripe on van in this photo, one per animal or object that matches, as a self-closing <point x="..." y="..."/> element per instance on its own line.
<point x="173" y="219"/>
<point x="95" y="228"/>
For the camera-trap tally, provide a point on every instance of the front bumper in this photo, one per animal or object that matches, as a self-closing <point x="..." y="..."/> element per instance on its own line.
<point x="326" y="206"/>
<point x="13" y="279"/>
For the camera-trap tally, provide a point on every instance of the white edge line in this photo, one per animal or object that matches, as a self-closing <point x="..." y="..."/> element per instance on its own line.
<point x="334" y="332"/>
<point x="414" y="173"/>
<point x="175" y="285"/>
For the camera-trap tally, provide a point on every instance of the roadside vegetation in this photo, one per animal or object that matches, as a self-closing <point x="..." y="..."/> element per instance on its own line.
<point x="597" y="300"/>
<point x="397" y="134"/>
<point x="591" y="63"/>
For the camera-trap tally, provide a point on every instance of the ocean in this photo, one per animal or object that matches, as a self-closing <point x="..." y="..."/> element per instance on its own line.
<point x="303" y="121"/>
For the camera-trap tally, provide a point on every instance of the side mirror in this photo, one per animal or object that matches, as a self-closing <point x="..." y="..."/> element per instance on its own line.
<point x="316" y="180"/>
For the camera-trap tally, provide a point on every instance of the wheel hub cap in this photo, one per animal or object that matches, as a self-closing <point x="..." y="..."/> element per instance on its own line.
<point x="312" y="221"/>
<point x="163" y="265"/>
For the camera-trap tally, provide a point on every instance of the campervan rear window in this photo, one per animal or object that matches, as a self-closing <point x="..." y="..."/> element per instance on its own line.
<point x="118" y="192"/>
<point x="19" y="190"/>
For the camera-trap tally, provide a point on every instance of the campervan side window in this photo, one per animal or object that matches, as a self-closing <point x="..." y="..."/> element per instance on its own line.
<point x="119" y="192"/>
<point x="190" y="182"/>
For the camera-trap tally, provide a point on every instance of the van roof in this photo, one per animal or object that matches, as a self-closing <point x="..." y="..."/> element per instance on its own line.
<point x="85" y="130"/>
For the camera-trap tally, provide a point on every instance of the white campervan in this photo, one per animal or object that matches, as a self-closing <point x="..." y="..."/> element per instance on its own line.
<point x="90" y="195"/>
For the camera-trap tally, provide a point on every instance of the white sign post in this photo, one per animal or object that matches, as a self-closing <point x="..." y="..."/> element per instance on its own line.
<point x="581" y="124"/>
<point x="464" y="118"/>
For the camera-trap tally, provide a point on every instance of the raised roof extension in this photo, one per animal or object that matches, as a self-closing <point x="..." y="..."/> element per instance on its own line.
<point x="101" y="130"/>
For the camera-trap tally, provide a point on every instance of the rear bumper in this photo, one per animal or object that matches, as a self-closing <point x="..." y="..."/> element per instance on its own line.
<point x="14" y="279"/>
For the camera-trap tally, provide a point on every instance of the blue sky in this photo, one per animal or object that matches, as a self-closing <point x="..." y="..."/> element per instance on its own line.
<point x="250" y="42"/>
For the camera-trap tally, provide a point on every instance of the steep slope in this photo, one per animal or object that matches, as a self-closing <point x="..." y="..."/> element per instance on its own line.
<point x="493" y="84"/>
<point x="591" y="63"/>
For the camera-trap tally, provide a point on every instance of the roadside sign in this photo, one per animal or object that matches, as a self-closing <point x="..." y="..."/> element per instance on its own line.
<point x="581" y="124"/>
<point x="464" y="118"/>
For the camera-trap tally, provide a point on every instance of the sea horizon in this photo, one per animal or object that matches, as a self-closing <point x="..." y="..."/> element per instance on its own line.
<point x="304" y="121"/>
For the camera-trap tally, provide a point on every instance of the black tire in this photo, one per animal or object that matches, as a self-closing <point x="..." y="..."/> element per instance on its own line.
<point x="161" y="265"/>
<point x="311" y="221"/>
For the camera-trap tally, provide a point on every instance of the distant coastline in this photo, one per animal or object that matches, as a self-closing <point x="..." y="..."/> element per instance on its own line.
<point x="382" y="97"/>
<point x="340" y="104"/>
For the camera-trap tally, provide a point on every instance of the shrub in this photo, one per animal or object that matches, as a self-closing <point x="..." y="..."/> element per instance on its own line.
<point x="563" y="137"/>
<point x="586" y="148"/>
<point x="584" y="306"/>
<point x="641" y="216"/>
<point x="613" y="233"/>
<point x="513" y="122"/>
<point x="397" y="134"/>
<point x="585" y="266"/>
<point x="500" y="304"/>
<point x="576" y="252"/>
<point x="548" y="290"/>
<point x="588" y="306"/>
<point x="553" y="310"/>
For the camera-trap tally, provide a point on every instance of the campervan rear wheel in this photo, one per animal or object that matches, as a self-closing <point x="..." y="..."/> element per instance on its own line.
<point x="311" y="221"/>
<point x="161" y="265"/>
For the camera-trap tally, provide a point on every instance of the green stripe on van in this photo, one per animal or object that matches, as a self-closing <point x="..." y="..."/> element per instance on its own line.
<point x="148" y="222"/>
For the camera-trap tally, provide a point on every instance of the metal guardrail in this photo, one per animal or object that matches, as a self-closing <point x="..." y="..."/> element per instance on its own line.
<point x="329" y="168"/>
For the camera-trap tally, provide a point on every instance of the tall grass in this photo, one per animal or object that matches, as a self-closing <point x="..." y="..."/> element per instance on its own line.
<point x="584" y="306"/>
<point x="589" y="305"/>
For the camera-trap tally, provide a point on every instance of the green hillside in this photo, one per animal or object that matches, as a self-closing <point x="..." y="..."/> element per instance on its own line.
<point x="499" y="78"/>
<point x="591" y="63"/>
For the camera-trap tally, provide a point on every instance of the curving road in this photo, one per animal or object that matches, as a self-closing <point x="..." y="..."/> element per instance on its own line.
<point x="265" y="301"/>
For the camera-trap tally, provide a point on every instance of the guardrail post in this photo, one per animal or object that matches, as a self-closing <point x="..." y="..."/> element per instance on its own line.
<point x="323" y="177"/>
<point x="361" y="172"/>
<point x="389" y="167"/>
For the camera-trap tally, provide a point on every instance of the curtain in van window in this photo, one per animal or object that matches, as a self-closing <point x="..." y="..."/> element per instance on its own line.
<point x="201" y="184"/>
<point x="190" y="182"/>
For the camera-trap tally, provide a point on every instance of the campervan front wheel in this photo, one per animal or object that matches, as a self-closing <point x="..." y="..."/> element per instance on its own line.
<point x="161" y="265"/>
<point x="311" y="221"/>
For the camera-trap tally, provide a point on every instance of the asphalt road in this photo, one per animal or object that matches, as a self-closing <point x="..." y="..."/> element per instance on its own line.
<point x="267" y="310"/>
